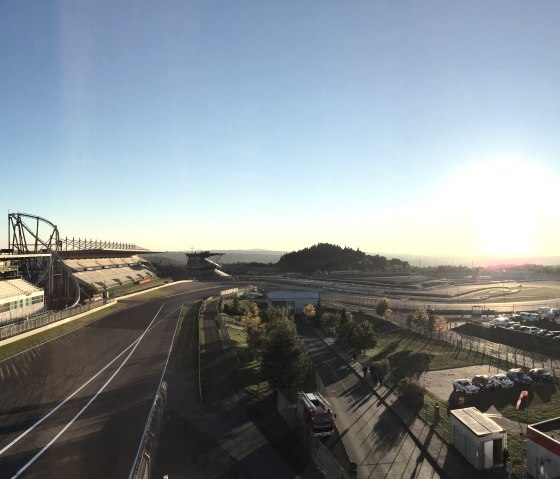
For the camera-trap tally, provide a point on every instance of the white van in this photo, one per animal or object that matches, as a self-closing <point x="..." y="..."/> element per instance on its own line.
<point x="499" y="321"/>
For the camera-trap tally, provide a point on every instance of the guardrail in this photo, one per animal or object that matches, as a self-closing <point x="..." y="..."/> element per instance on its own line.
<point x="148" y="446"/>
<point x="34" y="322"/>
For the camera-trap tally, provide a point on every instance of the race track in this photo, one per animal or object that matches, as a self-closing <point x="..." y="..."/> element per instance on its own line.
<point x="76" y="407"/>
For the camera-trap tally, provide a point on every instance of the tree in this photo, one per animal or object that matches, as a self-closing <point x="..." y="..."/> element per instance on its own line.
<point x="364" y="336"/>
<point x="255" y="331"/>
<point x="382" y="367"/>
<point x="283" y="359"/>
<point x="382" y="308"/>
<point x="309" y="311"/>
<point x="409" y="320"/>
<point x="419" y="319"/>
<point x="236" y="305"/>
<point x="346" y="332"/>
<point x="411" y="392"/>
<point x="440" y="324"/>
<point x="330" y="321"/>
<point x="272" y="314"/>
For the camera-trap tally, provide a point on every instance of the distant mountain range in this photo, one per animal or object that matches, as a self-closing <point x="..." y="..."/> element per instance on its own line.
<point x="230" y="256"/>
<point x="270" y="256"/>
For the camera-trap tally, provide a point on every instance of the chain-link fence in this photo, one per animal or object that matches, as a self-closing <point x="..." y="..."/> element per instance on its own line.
<point x="143" y="464"/>
<point x="40" y="320"/>
<point x="404" y="306"/>
<point x="320" y="455"/>
<point x="507" y="355"/>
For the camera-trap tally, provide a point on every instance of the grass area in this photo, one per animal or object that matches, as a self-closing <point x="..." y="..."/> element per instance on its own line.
<point x="34" y="340"/>
<point x="517" y="447"/>
<point x="135" y="288"/>
<point x="185" y="350"/>
<point x="410" y="354"/>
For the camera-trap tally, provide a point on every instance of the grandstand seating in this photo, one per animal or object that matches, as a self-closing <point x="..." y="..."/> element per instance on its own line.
<point x="109" y="272"/>
<point x="16" y="287"/>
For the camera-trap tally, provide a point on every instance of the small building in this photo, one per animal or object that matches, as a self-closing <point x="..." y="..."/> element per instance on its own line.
<point x="293" y="300"/>
<point x="543" y="449"/>
<point x="477" y="437"/>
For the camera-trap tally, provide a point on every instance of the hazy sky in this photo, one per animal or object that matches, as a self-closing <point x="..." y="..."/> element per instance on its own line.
<point x="425" y="127"/>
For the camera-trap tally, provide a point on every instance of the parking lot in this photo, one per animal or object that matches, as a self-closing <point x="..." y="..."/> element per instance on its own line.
<point x="440" y="382"/>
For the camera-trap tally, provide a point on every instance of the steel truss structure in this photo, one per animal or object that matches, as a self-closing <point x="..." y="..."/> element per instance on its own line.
<point x="30" y="234"/>
<point x="73" y="244"/>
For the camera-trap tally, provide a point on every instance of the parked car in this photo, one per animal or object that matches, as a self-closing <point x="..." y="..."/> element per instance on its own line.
<point x="499" y="321"/>
<point x="464" y="386"/>
<point x="484" y="382"/>
<point x="515" y="318"/>
<point x="523" y="329"/>
<point x="532" y="330"/>
<point x="519" y="377"/>
<point x="540" y="374"/>
<point x="502" y="381"/>
<point x="552" y="334"/>
<point x="540" y="332"/>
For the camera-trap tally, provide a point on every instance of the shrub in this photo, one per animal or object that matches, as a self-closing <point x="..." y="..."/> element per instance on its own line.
<point x="412" y="394"/>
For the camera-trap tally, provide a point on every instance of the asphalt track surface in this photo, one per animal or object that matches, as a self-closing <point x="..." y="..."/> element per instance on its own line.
<point x="77" y="406"/>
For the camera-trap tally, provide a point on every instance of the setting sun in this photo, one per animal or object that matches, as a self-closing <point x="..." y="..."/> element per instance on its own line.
<point x="505" y="202"/>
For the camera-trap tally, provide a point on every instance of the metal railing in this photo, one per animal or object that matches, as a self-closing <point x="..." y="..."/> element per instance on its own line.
<point x="148" y="447"/>
<point x="44" y="319"/>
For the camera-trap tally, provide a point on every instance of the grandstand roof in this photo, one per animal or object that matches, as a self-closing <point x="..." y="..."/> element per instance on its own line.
<point x="103" y="253"/>
<point x="10" y="288"/>
<point x="8" y="256"/>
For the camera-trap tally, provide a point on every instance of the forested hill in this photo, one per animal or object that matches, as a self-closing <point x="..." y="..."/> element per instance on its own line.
<point x="328" y="257"/>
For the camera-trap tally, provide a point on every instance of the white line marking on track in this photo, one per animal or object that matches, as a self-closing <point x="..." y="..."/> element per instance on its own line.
<point x="133" y="345"/>
<point x="131" y="475"/>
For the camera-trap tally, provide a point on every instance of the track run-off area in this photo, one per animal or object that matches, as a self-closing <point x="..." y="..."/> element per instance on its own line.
<point x="77" y="406"/>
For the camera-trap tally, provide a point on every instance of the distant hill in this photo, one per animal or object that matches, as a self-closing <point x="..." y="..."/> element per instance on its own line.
<point x="329" y="257"/>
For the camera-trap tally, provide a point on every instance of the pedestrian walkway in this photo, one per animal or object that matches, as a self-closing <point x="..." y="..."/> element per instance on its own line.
<point x="445" y="459"/>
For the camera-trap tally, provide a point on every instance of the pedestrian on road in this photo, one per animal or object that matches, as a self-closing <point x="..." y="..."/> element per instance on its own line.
<point x="354" y="357"/>
<point x="381" y="379"/>
<point x="375" y="378"/>
<point x="365" y="371"/>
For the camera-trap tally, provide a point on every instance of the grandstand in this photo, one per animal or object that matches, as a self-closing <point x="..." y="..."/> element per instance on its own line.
<point x="104" y="273"/>
<point x="18" y="298"/>
<point x="71" y="270"/>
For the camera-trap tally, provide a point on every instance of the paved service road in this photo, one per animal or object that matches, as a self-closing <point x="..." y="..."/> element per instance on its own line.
<point x="76" y="407"/>
<point x="374" y="439"/>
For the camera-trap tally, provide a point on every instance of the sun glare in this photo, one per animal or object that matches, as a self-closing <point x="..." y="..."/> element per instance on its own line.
<point x="504" y="200"/>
